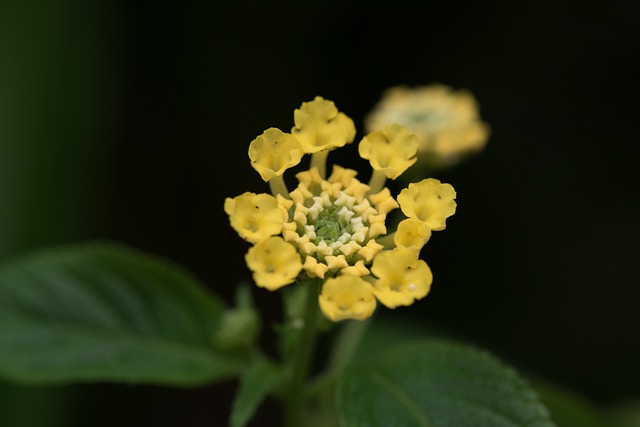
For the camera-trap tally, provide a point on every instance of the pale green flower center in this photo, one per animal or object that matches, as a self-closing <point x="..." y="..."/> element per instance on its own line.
<point x="432" y="120"/>
<point x="329" y="226"/>
<point x="332" y="223"/>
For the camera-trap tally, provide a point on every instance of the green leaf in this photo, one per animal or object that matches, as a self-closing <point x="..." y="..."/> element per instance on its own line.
<point x="626" y="413"/>
<point x="389" y="329"/>
<point x="568" y="408"/>
<point x="255" y="384"/>
<point x="435" y="383"/>
<point x="99" y="312"/>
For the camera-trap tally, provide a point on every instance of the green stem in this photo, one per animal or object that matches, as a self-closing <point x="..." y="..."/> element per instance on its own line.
<point x="345" y="347"/>
<point x="277" y="186"/>
<point x="295" y="397"/>
<point x="387" y="241"/>
<point x="377" y="182"/>
<point x="319" y="160"/>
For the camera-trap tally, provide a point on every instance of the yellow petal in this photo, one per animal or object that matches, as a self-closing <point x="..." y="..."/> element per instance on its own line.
<point x="273" y="152"/>
<point x="314" y="268"/>
<point x="285" y="205"/>
<point x="383" y="201"/>
<point x="342" y="175"/>
<point x="452" y="144"/>
<point x="347" y="297"/>
<point x="274" y="263"/>
<point x="390" y="150"/>
<point x="309" y="178"/>
<point x="289" y="231"/>
<point x="254" y="216"/>
<point x="346" y="178"/>
<point x="306" y="246"/>
<point x="350" y="248"/>
<point x="412" y="234"/>
<point x="370" y="250"/>
<point x="429" y="201"/>
<point x="377" y="226"/>
<point x="358" y="269"/>
<point x="336" y="262"/>
<point x="320" y="126"/>
<point x="402" y="277"/>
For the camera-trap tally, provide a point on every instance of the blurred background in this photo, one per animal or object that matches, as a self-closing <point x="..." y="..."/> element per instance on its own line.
<point x="130" y="121"/>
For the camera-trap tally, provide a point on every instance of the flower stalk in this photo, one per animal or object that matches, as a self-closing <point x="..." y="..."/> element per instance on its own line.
<point x="341" y="355"/>
<point x="302" y="357"/>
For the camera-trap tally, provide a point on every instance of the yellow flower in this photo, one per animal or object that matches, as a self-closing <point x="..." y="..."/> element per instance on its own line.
<point x="273" y="152"/>
<point x="390" y="150"/>
<point x="319" y="126"/>
<point x="274" y="263"/>
<point x="402" y="277"/>
<point x="446" y="121"/>
<point x="254" y="216"/>
<point x="335" y="228"/>
<point x="347" y="297"/>
<point x="412" y="234"/>
<point x="428" y="201"/>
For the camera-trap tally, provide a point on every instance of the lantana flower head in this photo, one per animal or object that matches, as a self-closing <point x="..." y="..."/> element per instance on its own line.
<point x="445" y="121"/>
<point x="334" y="228"/>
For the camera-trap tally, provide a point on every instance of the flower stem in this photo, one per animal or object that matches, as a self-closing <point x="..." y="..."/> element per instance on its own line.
<point x="301" y="360"/>
<point x="377" y="182"/>
<point x="387" y="241"/>
<point x="343" y="350"/>
<point x="319" y="160"/>
<point x="277" y="186"/>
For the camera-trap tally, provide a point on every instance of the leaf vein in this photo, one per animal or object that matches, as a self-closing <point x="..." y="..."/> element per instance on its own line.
<point x="402" y="396"/>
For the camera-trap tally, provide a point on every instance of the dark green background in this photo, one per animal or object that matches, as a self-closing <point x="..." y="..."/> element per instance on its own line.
<point x="130" y="121"/>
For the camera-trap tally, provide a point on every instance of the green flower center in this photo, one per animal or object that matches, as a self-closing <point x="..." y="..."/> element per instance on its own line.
<point x="334" y="222"/>
<point x="435" y="120"/>
<point x="330" y="226"/>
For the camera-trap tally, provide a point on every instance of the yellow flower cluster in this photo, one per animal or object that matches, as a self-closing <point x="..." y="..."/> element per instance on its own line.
<point x="446" y="121"/>
<point x="334" y="228"/>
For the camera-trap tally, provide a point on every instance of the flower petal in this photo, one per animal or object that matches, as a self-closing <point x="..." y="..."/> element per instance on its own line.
<point x="273" y="152"/>
<point x="347" y="297"/>
<point x="402" y="277"/>
<point x="254" y="216"/>
<point x="274" y="263"/>
<point x="314" y="268"/>
<point x="320" y="126"/>
<point x="412" y="234"/>
<point x="391" y="150"/>
<point x="383" y="201"/>
<point x="429" y="201"/>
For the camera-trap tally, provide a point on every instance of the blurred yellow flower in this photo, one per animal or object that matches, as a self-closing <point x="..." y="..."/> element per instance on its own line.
<point x="445" y="121"/>
<point x="334" y="228"/>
